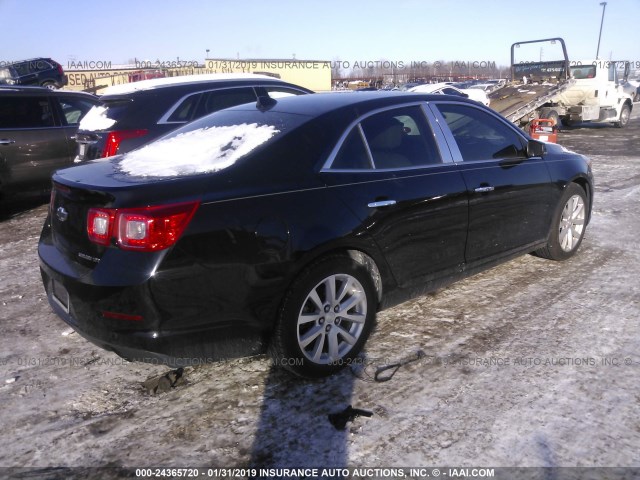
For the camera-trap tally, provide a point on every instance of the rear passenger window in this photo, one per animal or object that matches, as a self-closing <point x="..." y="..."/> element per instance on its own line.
<point x="480" y="135"/>
<point x="393" y="139"/>
<point x="221" y="99"/>
<point x="185" y="111"/>
<point x="400" y="138"/>
<point x="452" y="91"/>
<point x="25" y="112"/>
<point x="353" y="153"/>
<point x="73" y="109"/>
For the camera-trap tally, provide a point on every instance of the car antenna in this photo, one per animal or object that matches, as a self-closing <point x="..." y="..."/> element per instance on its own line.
<point x="265" y="102"/>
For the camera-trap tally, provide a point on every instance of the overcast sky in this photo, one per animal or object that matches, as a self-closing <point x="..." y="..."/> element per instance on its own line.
<point x="348" y="30"/>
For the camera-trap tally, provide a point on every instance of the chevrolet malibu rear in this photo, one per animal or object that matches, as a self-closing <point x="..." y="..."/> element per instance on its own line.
<point x="133" y="245"/>
<point x="288" y="224"/>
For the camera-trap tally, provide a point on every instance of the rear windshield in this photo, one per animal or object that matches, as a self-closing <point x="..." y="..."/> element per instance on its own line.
<point x="282" y="121"/>
<point x="210" y="144"/>
<point x="106" y="116"/>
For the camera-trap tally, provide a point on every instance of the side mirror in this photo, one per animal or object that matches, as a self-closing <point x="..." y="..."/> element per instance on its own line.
<point x="535" y="149"/>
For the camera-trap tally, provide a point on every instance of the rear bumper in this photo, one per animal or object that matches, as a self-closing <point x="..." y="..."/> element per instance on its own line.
<point x="144" y="332"/>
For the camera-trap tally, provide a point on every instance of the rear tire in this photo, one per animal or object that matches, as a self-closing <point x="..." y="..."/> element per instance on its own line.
<point x="326" y="318"/>
<point x="567" y="226"/>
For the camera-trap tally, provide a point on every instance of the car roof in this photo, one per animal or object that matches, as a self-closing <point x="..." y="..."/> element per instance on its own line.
<point x="35" y="59"/>
<point x="33" y="90"/>
<point x="320" y="103"/>
<point x="156" y="83"/>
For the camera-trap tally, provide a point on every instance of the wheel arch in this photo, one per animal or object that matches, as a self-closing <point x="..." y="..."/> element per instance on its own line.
<point x="377" y="268"/>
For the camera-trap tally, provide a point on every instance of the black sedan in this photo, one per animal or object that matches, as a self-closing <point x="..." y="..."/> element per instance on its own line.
<point x="286" y="225"/>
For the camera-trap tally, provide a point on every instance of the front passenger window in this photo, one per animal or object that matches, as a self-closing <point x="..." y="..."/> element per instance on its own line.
<point x="480" y="135"/>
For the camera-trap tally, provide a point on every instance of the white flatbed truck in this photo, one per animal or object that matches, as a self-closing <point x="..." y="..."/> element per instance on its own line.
<point x="564" y="91"/>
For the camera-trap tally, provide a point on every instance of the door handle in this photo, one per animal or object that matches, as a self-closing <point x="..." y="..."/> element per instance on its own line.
<point x="381" y="203"/>
<point x="484" y="189"/>
<point x="6" y="141"/>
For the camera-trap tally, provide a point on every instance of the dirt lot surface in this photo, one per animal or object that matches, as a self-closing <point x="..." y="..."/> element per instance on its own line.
<point x="533" y="363"/>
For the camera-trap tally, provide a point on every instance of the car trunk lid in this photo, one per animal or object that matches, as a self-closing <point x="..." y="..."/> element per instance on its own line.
<point x="100" y="184"/>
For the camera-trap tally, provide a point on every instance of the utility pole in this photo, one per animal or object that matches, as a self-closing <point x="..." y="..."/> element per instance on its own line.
<point x="604" y="6"/>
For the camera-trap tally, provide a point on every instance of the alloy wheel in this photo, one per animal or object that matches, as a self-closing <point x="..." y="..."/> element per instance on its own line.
<point x="332" y="319"/>
<point x="571" y="223"/>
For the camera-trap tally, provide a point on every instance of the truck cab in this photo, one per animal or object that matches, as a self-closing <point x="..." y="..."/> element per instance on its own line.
<point x="597" y="94"/>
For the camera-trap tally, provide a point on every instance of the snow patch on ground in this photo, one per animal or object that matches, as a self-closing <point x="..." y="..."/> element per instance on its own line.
<point x="204" y="150"/>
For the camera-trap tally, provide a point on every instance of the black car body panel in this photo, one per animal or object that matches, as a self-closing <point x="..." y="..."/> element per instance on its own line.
<point x="265" y="219"/>
<point x="37" y="128"/>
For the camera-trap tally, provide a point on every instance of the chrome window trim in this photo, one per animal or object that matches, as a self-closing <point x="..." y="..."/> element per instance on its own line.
<point x="326" y="168"/>
<point x="439" y="136"/>
<point x="450" y="141"/>
<point x="363" y="137"/>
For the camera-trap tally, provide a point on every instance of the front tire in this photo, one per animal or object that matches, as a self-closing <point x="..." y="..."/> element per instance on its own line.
<point x="624" y="116"/>
<point x="325" y="318"/>
<point x="568" y="225"/>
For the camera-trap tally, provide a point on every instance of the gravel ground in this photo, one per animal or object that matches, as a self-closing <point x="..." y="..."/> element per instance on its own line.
<point x="533" y="363"/>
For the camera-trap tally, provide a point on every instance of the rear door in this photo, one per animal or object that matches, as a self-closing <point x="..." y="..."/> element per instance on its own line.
<point x="510" y="195"/>
<point x="26" y="72"/>
<point x="32" y="144"/>
<point x="408" y="195"/>
<point x="71" y="109"/>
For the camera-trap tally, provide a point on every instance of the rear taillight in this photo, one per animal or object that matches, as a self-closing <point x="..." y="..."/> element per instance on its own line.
<point x="146" y="229"/>
<point x="100" y="225"/>
<point x="60" y="70"/>
<point x="115" y="138"/>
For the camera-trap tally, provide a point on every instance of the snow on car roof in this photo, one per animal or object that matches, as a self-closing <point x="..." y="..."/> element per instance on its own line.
<point x="204" y="150"/>
<point x="162" y="82"/>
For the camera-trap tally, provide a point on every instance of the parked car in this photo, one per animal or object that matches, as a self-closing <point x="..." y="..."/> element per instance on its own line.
<point x="288" y="226"/>
<point x="37" y="126"/>
<point x="635" y="89"/>
<point x="409" y="85"/>
<point x="136" y="113"/>
<point x="446" y="89"/>
<point x="42" y="72"/>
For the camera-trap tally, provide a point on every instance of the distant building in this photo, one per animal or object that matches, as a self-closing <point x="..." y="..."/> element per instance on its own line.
<point x="312" y="74"/>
